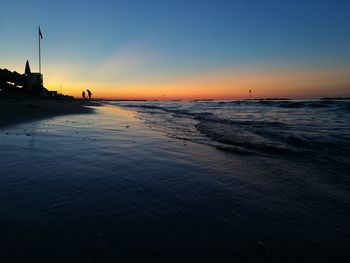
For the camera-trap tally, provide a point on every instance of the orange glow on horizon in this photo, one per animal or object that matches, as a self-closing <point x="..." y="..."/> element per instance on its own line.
<point x="223" y="85"/>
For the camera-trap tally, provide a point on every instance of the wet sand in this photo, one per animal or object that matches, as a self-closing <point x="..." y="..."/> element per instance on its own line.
<point x="17" y="110"/>
<point x="105" y="187"/>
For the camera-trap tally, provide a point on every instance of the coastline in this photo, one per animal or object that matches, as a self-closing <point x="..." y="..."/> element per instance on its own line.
<point x="16" y="110"/>
<point x="107" y="182"/>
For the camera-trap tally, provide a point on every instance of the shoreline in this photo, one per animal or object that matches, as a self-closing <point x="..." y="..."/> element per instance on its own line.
<point x="16" y="110"/>
<point x="106" y="179"/>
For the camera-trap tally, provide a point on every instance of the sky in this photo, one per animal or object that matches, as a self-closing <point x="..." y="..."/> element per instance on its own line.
<point x="182" y="49"/>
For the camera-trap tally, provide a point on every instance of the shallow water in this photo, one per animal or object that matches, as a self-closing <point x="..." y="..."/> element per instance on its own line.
<point x="152" y="184"/>
<point x="315" y="132"/>
<point x="255" y="126"/>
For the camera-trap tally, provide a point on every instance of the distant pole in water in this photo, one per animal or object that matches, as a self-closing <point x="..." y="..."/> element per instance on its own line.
<point x="250" y="94"/>
<point x="40" y="37"/>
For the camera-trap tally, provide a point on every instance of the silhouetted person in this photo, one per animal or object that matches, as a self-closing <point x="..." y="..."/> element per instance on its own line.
<point x="83" y="94"/>
<point x="89" y="94"/>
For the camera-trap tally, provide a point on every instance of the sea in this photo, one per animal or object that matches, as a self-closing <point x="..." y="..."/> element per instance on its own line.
<point x="179" y="181"/>
<point x="315" y="131"/>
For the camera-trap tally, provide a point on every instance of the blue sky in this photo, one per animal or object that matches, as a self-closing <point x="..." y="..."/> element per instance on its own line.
<point x="165" y="41"/>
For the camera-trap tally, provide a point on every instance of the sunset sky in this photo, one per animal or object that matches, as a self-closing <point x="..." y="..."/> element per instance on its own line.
<point x="183" y="49"/>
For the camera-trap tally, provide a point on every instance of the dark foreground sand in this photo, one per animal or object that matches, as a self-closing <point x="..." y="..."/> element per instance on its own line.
<point x="24" y="109"/>
<point x="111" y="187"/>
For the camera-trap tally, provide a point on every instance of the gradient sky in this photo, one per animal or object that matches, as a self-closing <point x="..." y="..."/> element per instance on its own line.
<point x="182" y="49"/>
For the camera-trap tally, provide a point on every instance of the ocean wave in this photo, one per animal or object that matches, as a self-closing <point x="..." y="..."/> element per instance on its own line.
<point x="151" y="107"/>
<point x="273" y="103"/>
<point x="257" y="126"/>
<point x="265" y="137"/>
<point x="297" y="104"/>
<point x="208" y="116"/>
<point x="245" y="140"/>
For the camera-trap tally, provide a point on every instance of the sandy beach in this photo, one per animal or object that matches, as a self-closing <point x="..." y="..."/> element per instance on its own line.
<point x="19" y="109"/>
<point x="110" y="187"/>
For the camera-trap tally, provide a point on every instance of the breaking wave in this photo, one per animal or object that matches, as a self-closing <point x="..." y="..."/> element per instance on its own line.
<point x="281" y="127"/>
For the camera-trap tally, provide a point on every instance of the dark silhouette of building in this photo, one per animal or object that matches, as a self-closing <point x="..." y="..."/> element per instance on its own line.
<point x="27" y="69"/>
<point x="11" y="81"/>
<point x="29" y="82"/>
<point x="34" y="81"/>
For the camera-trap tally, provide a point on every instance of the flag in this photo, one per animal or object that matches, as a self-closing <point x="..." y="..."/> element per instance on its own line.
<point x="40" y="35"/>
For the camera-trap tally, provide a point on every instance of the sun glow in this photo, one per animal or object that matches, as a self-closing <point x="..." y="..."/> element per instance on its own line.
<point x="227" y="84"/>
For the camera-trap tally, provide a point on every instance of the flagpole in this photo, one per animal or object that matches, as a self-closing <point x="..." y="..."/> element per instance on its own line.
<point x="39" y="52"/>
